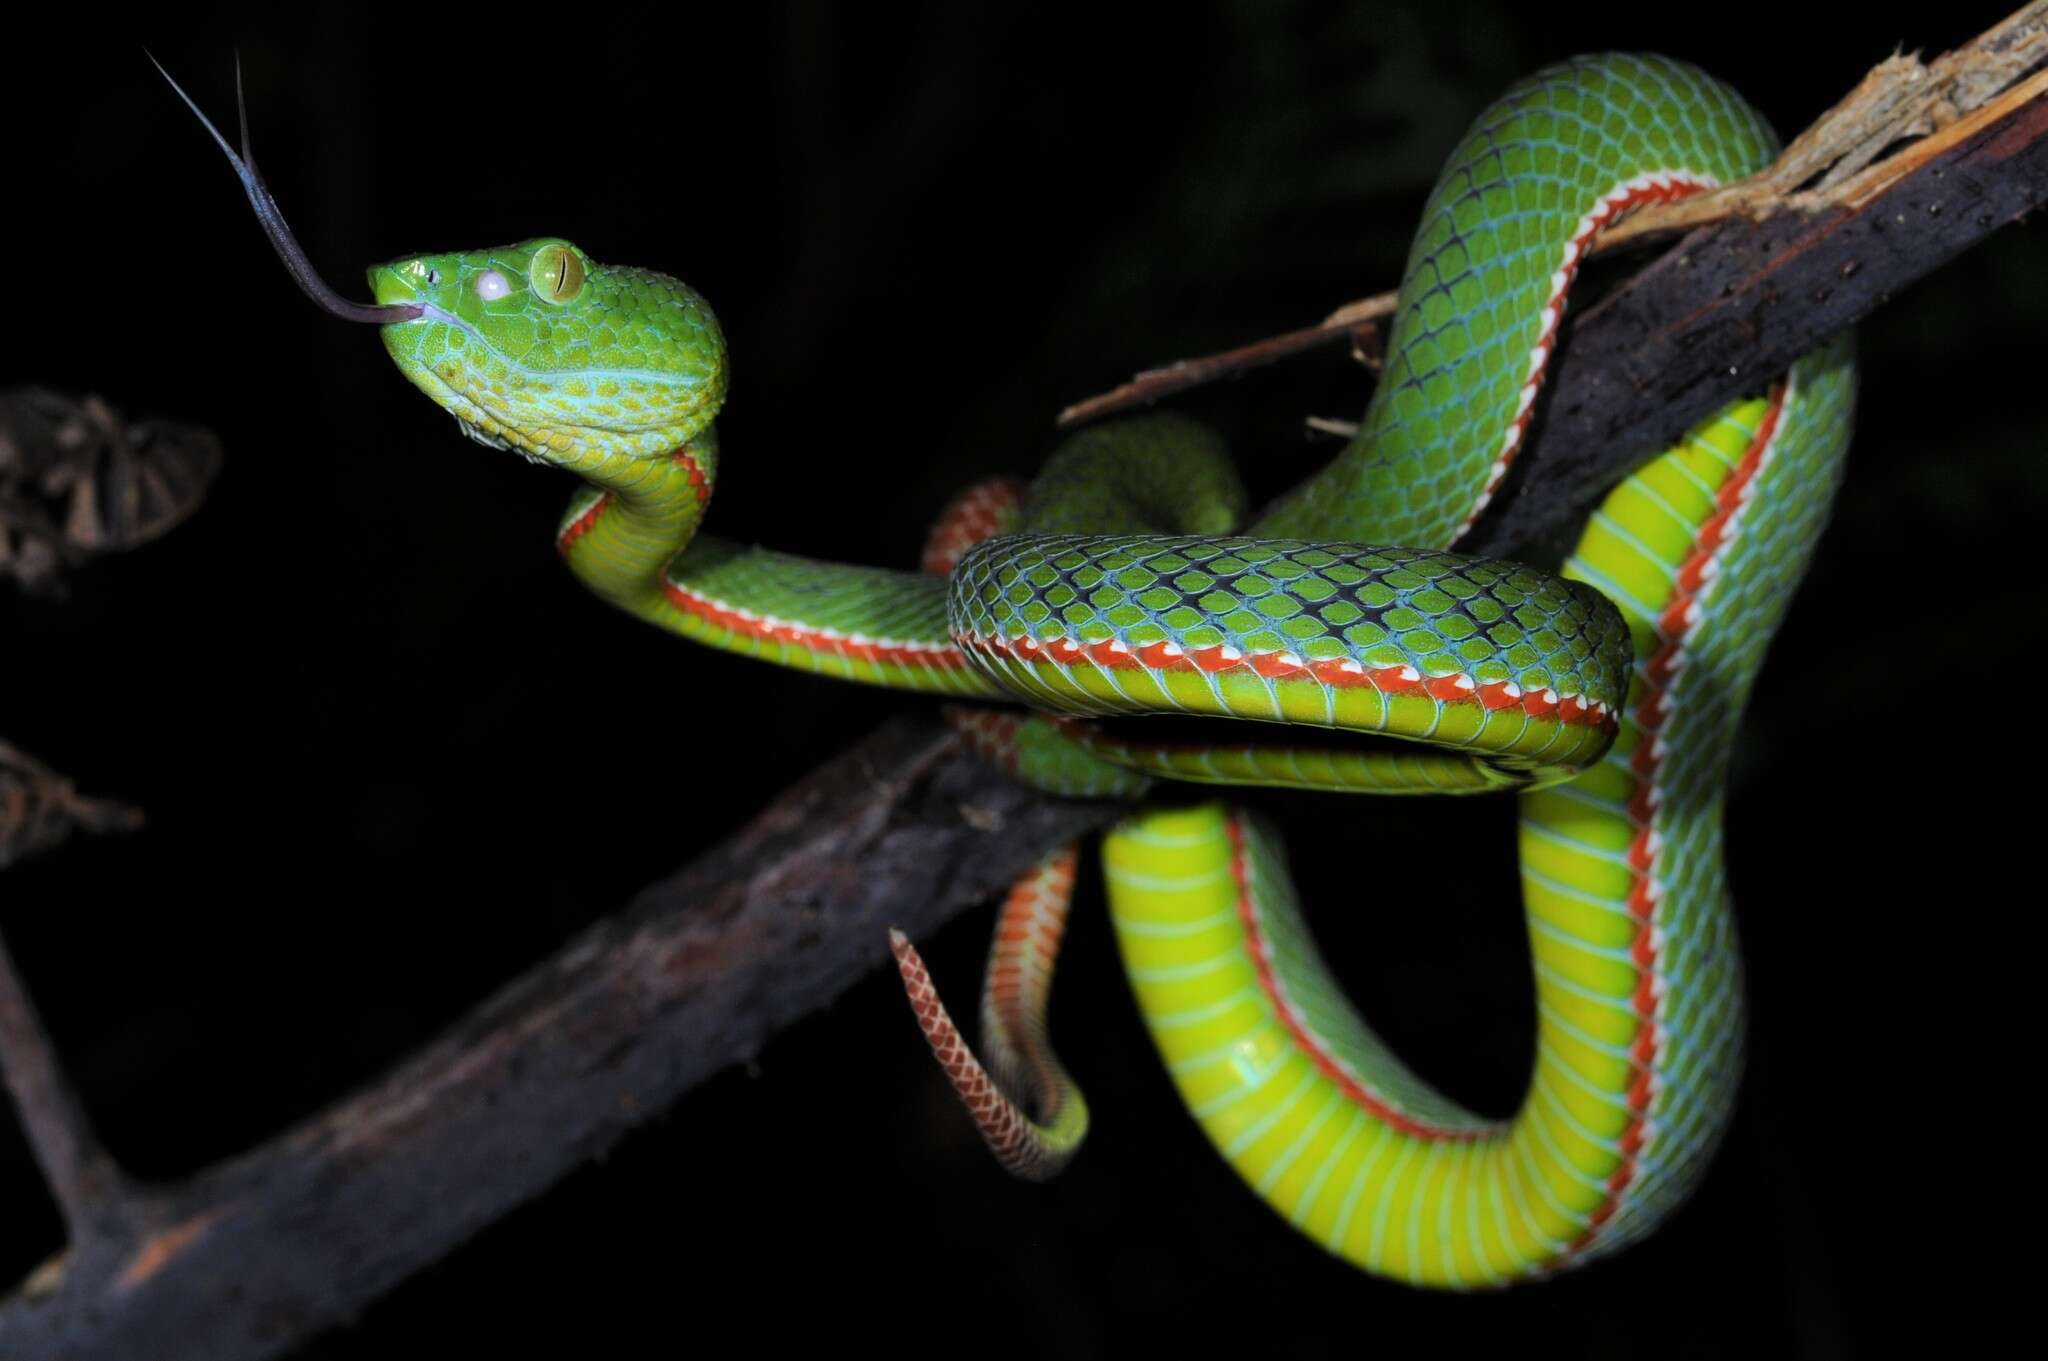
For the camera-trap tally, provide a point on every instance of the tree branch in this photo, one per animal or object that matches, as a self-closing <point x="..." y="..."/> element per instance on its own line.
<point x="299" y="1233"/>
<point x="1969" y="154"/>
<point x="1738" y="301"/>
<point x="76" y="1167"/>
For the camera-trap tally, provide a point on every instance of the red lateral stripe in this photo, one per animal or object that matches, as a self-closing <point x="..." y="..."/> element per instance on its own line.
<point x="747" y="624"/>
<point x="1456" y="687"/>
<point x="580" y="526"/>
<point x="1021" y="963"/>
<point x="699" y="483"/>
<point x="1676" y="624"/>
<point x="1325" y="1062"/>
<point x="1619" y="203"/>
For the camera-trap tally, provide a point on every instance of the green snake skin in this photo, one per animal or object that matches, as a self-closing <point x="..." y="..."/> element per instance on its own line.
<point x="1129" y="582"/>
<point x="1318" y="624"/>
<point x="1482" y="291"/>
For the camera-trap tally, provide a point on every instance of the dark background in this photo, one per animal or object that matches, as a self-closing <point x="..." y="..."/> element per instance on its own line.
<point x="352" y="691"/>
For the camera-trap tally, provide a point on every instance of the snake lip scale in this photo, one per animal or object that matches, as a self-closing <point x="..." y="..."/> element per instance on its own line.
<point x="1129" y="579"/>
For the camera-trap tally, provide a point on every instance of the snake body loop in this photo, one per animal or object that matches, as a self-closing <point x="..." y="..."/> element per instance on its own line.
<point x="1126" y="580"/>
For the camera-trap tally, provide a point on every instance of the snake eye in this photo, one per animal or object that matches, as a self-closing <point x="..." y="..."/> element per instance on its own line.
<point x="556" y="274"/>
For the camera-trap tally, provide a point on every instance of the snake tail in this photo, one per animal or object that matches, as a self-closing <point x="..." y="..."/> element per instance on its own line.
<point x="1015" y="989"/>
<point x="1017" y="981"/>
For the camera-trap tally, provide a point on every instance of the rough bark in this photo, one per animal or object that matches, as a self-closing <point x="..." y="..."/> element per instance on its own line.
<point x="299" y="1233"/>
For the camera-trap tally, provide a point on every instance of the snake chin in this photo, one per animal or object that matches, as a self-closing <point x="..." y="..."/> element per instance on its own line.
<point x="474" y="421"/>
<point x="490" y="441"/>
<point x="478" y="422"/>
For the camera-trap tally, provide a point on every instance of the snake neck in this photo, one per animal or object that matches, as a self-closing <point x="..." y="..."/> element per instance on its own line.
<point x="633" y="515"/>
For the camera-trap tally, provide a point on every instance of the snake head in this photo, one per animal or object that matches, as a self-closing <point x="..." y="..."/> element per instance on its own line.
<point x="534" y="347"/>
<point x="538" y="348"/>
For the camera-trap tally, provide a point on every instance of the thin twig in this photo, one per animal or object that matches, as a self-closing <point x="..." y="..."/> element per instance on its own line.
<point x="81" y="1177"/>
<point x="39" y="807"/>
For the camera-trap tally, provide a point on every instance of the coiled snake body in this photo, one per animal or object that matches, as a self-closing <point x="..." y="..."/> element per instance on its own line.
<point x="1125" y="580"/>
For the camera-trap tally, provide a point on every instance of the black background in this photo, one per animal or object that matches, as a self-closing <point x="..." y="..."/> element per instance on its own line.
<point x="393" y="755"/>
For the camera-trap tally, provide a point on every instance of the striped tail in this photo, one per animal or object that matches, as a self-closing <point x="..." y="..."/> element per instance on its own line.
<point x="1015" y="990"/>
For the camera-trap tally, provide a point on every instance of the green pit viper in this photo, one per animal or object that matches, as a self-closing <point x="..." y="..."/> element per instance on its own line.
<point x="1127" y="580"/>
